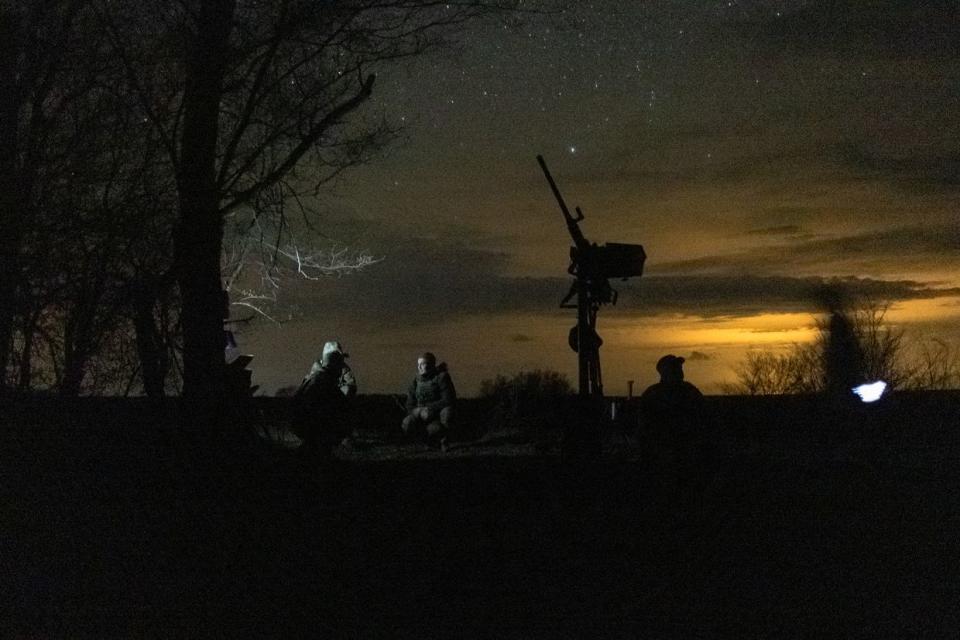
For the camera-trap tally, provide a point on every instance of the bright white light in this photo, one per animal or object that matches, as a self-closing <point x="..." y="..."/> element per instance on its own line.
<point x="871" y="392"/>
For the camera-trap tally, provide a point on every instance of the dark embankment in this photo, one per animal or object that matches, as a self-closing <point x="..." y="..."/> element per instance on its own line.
<point x="817" y="523"/>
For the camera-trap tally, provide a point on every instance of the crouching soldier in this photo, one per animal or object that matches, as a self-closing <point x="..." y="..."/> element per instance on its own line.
<point x="347" y="380"/>
<point x="319" y="405"/>
<point x="430" y="403"/>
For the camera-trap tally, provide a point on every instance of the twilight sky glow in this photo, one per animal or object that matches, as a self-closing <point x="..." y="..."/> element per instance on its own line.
<point x="752" y="147"/>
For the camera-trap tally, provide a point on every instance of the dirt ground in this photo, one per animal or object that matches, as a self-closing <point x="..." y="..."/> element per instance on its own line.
<point x="123" y="530"/>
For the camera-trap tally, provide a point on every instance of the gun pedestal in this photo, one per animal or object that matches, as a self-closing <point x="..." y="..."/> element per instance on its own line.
<point x="584" y="339"/>
<point x="592" y="267"/>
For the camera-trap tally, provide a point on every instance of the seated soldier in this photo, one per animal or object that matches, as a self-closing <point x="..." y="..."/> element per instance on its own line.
<point x="347" y="381"/>
<point x="319" y="406"/>
<point x="430" y="402"/>
<point x="347" y="384"/>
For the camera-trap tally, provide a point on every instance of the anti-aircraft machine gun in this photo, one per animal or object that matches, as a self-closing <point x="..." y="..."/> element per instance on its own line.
<point x="592" y="266"/>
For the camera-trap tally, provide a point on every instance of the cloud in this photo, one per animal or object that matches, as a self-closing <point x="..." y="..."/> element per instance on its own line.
<point x="520" y="337"/>
<point x="914" y="167"/>
<point x="743" y="295"/>
<point x="782" y="230"/>
<point x="699" y="355"/>
<point x="426" y="283"/>
<point x="918" y="245"/>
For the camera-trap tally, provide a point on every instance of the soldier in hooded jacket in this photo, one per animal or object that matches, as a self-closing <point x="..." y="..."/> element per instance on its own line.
<point x="319" y="405"/>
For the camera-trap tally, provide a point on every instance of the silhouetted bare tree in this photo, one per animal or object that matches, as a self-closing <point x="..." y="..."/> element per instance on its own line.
<point x="76" y="204"/>
<point x="252" y="96"/>
<point x="118" y="149"/>
<point x="937" y="366"/>
<point x="807" y="368"/>
<point x="68" y="177"/>
<point x="259" y="262"/>
<point x="41" y="76"/>
<point x="761" y="373"/>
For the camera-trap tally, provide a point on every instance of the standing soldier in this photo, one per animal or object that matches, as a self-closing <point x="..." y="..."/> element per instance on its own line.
<point x="672" y="419"/>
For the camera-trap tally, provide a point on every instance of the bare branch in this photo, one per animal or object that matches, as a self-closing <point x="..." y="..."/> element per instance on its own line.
<point x="333" y="117"/>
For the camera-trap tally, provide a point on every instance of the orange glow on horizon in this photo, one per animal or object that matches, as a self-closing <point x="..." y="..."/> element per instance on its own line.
<point x="764" y="329"/>
<point x="768" y="329"/>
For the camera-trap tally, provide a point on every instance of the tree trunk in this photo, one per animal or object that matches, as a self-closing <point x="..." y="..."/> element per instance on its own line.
<point x="150" y="350"/>
<point x="199" y="236"/>
<point x="8" y="292"/>
<point x="74" y="370"/>
<point x="79" y="339"/>
<point x="9" y="185"/>
<point x="25" y="376"/>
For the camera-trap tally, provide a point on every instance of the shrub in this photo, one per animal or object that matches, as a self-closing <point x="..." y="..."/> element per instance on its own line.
<point x="528" y="391"/>
<point x="535" y="402"/>
<point x="936" y="367"/>
<point x="809" y="368"/>
<point x="765" y="373"/>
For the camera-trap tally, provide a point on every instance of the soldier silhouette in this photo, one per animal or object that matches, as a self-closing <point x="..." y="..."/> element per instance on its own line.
<point x="672" y="421"/>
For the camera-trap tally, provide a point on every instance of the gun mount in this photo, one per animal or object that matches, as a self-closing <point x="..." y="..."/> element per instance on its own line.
<point x="592" y="267"/>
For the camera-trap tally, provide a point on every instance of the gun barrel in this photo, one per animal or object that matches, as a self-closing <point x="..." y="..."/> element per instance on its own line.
<point x="572" y="225"/>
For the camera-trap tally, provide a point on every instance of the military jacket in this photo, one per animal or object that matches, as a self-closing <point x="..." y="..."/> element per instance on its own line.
<point x="432" y="390"/>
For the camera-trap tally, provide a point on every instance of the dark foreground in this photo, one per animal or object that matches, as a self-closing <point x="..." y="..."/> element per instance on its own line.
<point x="114" y="527"/>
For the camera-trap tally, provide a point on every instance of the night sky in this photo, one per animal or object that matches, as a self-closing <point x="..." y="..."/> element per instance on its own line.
<point x="750" y="147"/>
